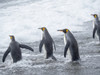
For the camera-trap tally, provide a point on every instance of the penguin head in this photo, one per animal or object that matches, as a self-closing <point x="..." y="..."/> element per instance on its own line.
<point x="43" y="28"/>
<point x="64" y="30"/>
<point x="12" y="37"/>
<point x="94" y="15"/>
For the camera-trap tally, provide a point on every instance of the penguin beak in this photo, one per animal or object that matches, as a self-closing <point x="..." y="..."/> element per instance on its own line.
<point x="39" y="28"/>
<point x="92" y="14"/>
<point x="9" y="35"/>
<point x="60" y="30"/>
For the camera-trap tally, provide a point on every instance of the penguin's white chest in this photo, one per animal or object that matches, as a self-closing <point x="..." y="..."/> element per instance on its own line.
<point x="93" y="24"/>
<point x="68" y="52"/>
<point x="44" y="50"/>
<point x="65" y="40"/>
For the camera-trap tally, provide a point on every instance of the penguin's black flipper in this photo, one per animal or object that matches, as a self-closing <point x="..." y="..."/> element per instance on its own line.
<point x="94" y="31"/>
<point x="41" y="45"/>
<point x="5" y="54"/>
<point x="25" y="46"/>
<point x="66" y="48"/>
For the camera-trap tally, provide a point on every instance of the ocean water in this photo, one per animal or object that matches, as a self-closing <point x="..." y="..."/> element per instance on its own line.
<point x="33" y="63"/>
<point x="22" y="18"/>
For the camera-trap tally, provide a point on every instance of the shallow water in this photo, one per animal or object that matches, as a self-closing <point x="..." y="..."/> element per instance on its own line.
<point x="23" y="17"/>
<point x="33" y="63"/>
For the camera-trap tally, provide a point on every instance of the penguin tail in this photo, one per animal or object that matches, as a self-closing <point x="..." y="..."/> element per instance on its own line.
<point x="54" y="58"/>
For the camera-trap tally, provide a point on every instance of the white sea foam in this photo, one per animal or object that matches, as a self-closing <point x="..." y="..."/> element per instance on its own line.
<point x="23" y="20"/>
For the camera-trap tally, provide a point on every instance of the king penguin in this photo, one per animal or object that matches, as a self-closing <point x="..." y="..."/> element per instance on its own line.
<point x="48" y="44"/>
<point x="71" y="45"/>
<point x="96" y="25"/>
<point x="14" y="49"/>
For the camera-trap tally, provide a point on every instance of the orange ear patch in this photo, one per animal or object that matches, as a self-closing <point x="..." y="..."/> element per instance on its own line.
<point x="66" y="30"/>
<point x="43" y="29"/>
<point x="10" y="37"/>
<point x="95" y="16"/>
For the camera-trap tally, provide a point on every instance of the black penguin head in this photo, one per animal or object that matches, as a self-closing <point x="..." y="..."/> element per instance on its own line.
<point x="94" y="15"/>
<point x="12" y="37"/>
<point x="43" y="28"/>
<point x="64" y="30"/>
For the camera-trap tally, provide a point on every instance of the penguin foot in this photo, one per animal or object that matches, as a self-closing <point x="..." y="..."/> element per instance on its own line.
<point x="54" y="58"/>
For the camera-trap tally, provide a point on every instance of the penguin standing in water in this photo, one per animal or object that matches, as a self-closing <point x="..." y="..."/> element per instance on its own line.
<point x="48" y="44"/>
<point x="15" y="50"/>
<point x="96" y="25"/>
<point x="71" y="44"/>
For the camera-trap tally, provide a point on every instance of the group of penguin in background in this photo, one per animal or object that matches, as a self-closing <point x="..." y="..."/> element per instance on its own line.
<point x="47" y="42"/>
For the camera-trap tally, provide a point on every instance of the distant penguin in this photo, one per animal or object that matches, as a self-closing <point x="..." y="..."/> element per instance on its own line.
<point x="48" y="44"/>
<point x="14" y="49"/>
<point x="71" y="45"/>
<point x="96" y="25"/>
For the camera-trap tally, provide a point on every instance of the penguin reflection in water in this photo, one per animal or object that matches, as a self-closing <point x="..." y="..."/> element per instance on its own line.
<point x="48" y="44"/>
<point x="96" y="25"/>
<point x="71" y="44"/>
<point x="15" y="50"/>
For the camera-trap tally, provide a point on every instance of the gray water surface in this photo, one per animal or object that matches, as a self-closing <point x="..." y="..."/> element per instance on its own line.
<point x="33" y="63"/>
